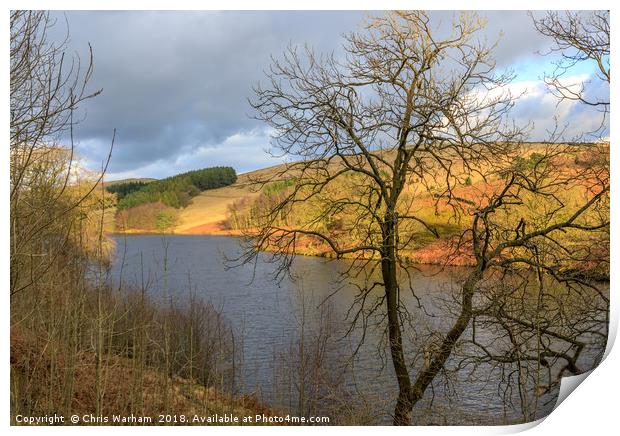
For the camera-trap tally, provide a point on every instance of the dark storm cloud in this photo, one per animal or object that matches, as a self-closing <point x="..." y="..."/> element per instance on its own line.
<point x="176" y="83"/>
<point x="511" y="30"/>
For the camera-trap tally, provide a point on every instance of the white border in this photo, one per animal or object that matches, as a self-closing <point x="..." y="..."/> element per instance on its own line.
<point x="593" y="409"/>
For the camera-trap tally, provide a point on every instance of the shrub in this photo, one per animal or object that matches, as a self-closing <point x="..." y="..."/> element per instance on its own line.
<point x="164" y="221"/>
<point x="145" y="217"/>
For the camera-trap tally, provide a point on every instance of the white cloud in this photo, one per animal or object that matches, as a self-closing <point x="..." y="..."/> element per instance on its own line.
<point x="243" y="151"/>
<point x="538" y="107"/>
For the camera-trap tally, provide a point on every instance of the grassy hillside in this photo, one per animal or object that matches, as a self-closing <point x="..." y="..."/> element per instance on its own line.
<point x="208" y="212"/>
<point x="177" y="190"/>
<point x="154" y="206"/>
<point x="232" y="209"/>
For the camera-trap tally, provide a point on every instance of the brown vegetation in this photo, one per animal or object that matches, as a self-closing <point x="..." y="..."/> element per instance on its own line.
<point x="423" y="247"/>
<point x="53" y="376"/>
<point x="146" y="218"/>
<point x="78" y="343"/>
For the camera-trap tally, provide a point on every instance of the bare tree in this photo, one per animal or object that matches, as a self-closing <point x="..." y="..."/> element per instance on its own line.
<point x="47" y="87"/>
<point x="79" y="346"/>
<point x="547" y="224"/>
<point x="403" y="104"/>
<point x="578" y="37"/>
<point x="538" y="237"/>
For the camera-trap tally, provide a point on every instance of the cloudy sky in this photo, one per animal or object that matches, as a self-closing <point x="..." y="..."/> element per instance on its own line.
<point x="176" y="84"/>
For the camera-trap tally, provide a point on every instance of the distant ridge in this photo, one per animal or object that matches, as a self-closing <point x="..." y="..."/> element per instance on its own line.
<point x="130" y="180"/>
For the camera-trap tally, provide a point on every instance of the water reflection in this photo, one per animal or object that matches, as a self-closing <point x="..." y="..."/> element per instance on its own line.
<point x="295" y="351"/>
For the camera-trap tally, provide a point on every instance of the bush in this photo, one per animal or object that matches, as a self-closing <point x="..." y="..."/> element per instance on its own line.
<point x="164" y="221"/>
<point x="278" y="186"/>
<point x="146" y="217"/>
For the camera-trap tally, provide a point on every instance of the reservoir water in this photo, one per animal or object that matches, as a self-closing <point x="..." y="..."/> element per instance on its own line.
<point x="271" y="316"/>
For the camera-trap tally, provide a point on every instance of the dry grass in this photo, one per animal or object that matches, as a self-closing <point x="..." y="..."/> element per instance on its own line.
<point x="207" y="211"/>
<point x="210" y="208"/>
<point x="30" y="363"/>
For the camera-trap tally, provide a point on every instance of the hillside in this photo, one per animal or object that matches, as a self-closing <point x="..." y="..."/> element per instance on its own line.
<point x="32" y="358"/>
<point x="233" y="209"/>
<point x="208" y="211"/>
<point x="154" y="206"/>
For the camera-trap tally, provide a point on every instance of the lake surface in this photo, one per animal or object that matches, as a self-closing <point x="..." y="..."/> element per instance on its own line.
<point x="269" y="315"/>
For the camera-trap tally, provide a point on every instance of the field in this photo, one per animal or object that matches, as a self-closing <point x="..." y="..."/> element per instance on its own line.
<point x="208" y="211"/>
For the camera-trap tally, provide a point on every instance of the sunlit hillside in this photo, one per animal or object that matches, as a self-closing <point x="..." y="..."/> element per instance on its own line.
<point x="233" y="209"/>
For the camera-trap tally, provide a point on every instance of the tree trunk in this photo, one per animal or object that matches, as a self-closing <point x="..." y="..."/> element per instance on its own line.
<point x="402" y="411"/>
<point x="450" y="340"/>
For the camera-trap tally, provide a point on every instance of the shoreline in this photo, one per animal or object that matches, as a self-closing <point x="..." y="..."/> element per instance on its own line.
<point x="427" y="256"/>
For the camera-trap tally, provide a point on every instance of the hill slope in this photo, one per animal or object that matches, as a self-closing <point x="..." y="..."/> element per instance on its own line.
<point x="207" y="212"/>
<point x="234" y="209"/>
<point x="130" y="180"/>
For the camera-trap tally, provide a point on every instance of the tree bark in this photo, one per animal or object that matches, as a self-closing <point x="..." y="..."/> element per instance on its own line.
<point x="402" y="411"/>
<point x="450" y="340"/>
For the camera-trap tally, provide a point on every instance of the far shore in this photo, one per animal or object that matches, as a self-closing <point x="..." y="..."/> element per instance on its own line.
<point x="434" y="254"/>
<point x="214" y="228"/>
